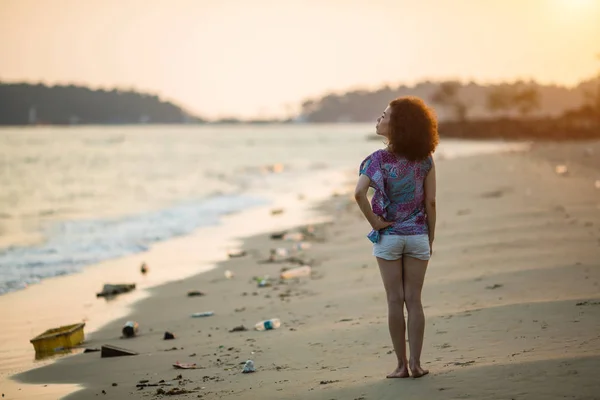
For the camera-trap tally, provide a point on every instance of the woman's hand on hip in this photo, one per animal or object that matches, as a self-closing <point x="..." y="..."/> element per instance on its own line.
<point x="380" y="224"/>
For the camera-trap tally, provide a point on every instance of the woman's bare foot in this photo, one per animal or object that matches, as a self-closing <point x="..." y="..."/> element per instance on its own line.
<point x="418" y="372"/>
<point x="400" y="372"/>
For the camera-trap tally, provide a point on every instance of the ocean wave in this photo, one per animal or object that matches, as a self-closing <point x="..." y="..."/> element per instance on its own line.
<point x="71" y="245"/>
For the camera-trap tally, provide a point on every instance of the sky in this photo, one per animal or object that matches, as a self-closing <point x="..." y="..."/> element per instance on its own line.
<point x="262" y="58"/>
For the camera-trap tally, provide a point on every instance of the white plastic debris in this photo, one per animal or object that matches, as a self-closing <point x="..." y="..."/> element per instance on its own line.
<point x="228" y="274"/>
<point x="249" y="367"/>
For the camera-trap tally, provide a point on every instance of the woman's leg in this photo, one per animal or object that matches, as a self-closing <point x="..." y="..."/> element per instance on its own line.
<point x="391" y="273"/>
<point x="414" y="275"/>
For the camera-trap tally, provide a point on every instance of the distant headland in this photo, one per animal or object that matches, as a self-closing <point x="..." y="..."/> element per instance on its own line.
<point x="517" y="110"/>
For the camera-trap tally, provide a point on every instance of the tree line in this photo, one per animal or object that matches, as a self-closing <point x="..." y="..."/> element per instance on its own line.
<point x="23" y="104"/>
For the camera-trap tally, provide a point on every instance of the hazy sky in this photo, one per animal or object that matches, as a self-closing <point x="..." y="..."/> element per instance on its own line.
<point x="254" y="57"/>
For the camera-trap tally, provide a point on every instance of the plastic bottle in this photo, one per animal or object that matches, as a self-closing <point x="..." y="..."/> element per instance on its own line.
<point x="302" y="246"/>
<point x="203" y="314"/>
<point x="130" y="329"/>
<point x="293" y="236"/>
<point x="296" y="272"/>
<point x="268" y="324"/>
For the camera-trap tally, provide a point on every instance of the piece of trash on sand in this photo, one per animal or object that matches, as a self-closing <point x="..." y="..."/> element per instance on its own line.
<point x="203" y="314"/>
<point x="58" y="339"/>
<point x="240" y="328"/>
<point x="561" y="169"/>
<point x="494" y="286"/>
<point x="229" y="274"/>
<point x="248" y="367"/>
<point x="302" y="246"/>
<point x="113" y="351"/>
<point x="294" y="236"/>
<point x="296" y="272"/>
<point x="237" y="254"/>
<point x="263" y="281"/>
<point x="112" y="290"/>
<point x="144" y="268"/>
<point x="268" y="324"/>
<point x="597" y="184"/>
<point x="277" y="211"/>
<point x="195" y="293"/>
<point x="91" y="350"/>
<point x="130" y="329"/>
<point x="278" y="235"/>
<point x="280" y="251"/>
<point x="179" y="365"/>
<point x="168" y="336"/>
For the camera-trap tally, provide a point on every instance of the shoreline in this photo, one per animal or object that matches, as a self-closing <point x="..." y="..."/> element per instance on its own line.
<point x="513" y="286"/>
<point x="169" y="261"/>
<point x="326" y="253"/>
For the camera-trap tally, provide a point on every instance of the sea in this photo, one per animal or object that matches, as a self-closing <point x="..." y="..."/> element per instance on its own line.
<point x="74" y="196"/>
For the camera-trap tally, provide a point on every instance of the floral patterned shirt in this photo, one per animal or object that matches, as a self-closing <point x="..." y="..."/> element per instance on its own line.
<point x="399" y="192"/>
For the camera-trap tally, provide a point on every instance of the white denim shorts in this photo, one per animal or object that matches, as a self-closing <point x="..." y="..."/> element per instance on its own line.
<point x="393" y="247"/>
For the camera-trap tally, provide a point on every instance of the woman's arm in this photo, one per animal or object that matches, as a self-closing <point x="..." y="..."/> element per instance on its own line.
<point x="360" y="195"/>
<point x="430" y="187"/>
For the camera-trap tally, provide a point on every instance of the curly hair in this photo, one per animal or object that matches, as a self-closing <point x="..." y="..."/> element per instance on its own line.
<point x="413" y="132"/>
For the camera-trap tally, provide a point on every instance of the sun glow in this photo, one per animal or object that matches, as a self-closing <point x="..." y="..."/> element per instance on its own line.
<point x="576" y="5"/>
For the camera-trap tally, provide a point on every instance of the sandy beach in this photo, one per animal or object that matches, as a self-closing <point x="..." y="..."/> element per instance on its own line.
<point x="512" y="301"/>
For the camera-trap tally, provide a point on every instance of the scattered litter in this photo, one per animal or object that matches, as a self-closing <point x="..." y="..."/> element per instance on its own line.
<point x="588" y="303"/>
<point x="248" y="367"/>
<point x="263" y="282"/>
<point x="240" y="328"/>
<point x="328" y="382"/>
<point x="494" y="286"/>
<point x="144" y="268"/>
<point x="238" y="254"/>
<point x="179" y="365"/>
<point x="464" y="364"/>
<point x="296" y="272"/>
<point x="203" y="314"/>
<point x="112" y="290"/>
<point x="195" y="293"/>
<point x="173" y="349"/>
<point x="277" y="211"/>
<point x="269" y="324"/>
<point x="561" y="169"/>
<point x="302" y="246"/>
<point x="57" y="339"/>
<point x="114" y="384"/>
<point x="144" y="384"/>
<point x="280" y="251"/>
<point x="229" y="274"/>
<point x="295" y="237"/>
<point x="91" y="350"/>
<point x="113" y="351"/>
<point x="130" y="329"/>
<point x="169" y="336"/>
<point x="240" y="309"/>
<point x="278" y="236"/>
<point x="173" y="392"/>
<point x="346" y="320"/>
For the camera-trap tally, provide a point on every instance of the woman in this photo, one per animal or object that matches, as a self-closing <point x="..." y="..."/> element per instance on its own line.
<point x="402" y="215"/>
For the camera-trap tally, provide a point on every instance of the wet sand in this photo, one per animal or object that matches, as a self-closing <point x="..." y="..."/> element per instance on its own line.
<point x="512" y="301"/>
